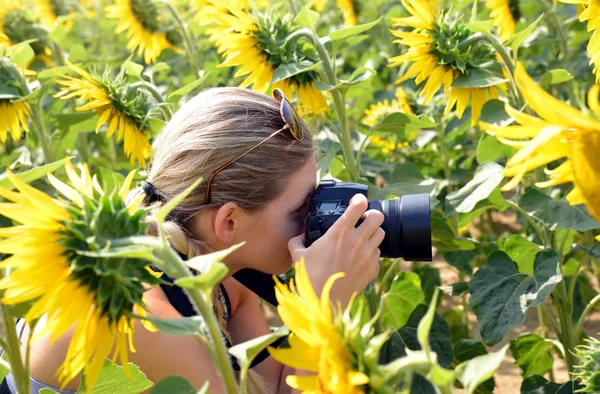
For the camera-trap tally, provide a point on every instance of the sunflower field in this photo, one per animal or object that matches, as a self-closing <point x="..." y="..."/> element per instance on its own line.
<point x="491" y="107"/>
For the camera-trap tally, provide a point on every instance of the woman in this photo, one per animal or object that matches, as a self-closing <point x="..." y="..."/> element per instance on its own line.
<point x="256" y="195"/>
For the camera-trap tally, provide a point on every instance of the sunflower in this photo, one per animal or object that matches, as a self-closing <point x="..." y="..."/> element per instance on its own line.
<point x="348" y="11"/>
<point x="319" y="5"/>
<point x="591" y="14"/>
<point x="376" y="112"/>
<point x="122" y="109"/>
<point x="316" y="343"/>
<point x="54" y="264"/>
<point x="50" y="10"/>
<point x="432" y="49"/>
<point x="17" y="26"/>
<point x="13" y="114"/>
<point x="561" y="132"/>
<point x="140" y="18"/>
<point x="505" y="14"/>
<point x="253" y="43"/>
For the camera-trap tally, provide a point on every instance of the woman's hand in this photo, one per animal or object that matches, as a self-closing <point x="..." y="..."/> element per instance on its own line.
<point x="344" y="248"/>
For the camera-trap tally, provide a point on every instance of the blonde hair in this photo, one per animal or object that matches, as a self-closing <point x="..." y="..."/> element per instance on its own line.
<point x="210" y="130"/>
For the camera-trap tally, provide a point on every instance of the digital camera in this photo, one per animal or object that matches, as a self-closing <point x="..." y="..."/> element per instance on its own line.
<point x="407" y="223"/>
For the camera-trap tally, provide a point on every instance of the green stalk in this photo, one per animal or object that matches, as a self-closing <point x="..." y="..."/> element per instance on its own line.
<point x="153" y="90"/>
<point x="587" y="310"/>
<point x="340" y="107"/>
<point x="566" y="326"/>
<point x="36" y="116"/>
<point x="186" y="36"/>
<point x="519" y="102"/>
<point x="14" y="352"/>
<point x="167" y="257"/>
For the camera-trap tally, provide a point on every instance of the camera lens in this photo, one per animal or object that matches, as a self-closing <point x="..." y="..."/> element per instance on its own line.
<point x="407" y="227"/>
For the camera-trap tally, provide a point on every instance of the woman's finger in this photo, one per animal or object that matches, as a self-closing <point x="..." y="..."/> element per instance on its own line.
<point x="373" y="220"/>
<point x="358" y="205"/>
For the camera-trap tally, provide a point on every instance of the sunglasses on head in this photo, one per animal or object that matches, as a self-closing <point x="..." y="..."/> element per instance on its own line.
<point x="292" y="123"/>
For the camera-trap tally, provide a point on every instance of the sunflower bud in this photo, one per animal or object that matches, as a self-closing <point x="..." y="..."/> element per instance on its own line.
<point x="589" y="369"/>
<point x="18" y="26"/>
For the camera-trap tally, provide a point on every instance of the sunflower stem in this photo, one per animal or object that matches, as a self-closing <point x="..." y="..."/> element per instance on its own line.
<point x="14" y="352"/>
<point x="518" y="102"/>
<point x="587" y="310"/>
<point x="340" y="107"/>
<point x="167" y="257"/>
<point x="564" y="44"/>
<point x="36" y="115"/>
<point x="186" y="36"/>
<point x="153" y="90"/>
<point x="566" y="325"/>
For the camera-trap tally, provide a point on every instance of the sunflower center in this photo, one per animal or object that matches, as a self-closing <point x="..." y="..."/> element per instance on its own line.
<point x="448" y="34"/>
<point x="513" y="6"/>
<point x="115" y="281"/>
<point x="146" y="13"/>
<point x="18" y="27"/>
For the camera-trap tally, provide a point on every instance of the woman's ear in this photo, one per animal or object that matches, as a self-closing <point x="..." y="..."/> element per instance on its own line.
<point x="227" y="222"/>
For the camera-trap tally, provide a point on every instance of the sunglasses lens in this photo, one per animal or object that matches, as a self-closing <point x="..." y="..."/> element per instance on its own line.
<point x="292" y="118"/>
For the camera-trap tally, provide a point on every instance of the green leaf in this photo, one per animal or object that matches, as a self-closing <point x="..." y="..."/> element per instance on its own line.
<point x="468" y="348"/>
<point x="348" y="32"/>
<point x="406" y="338"/>
<point x="78" y="54"/>
<point x="158" y="67"/>
<point x="290" y="69"/>
<point x="183" y="326"/>
<point x="109" y="180"/>
<point x="522" y="251"/>
<point x="425" y="324"/>
<point x="444" y="238"/>
<point x="65" y="121"/>
<point x="31" y="175"/>
<point x="462" y="259"/>
<point x="133" y="69"/>
<point x="179" y="93"/>
<point x="307" y="18"/>
<point x="112" y="380"/>
<point x="360" y="75"/>
<point x="58" y="34"/>
<point x="174" y="385"/>
<point x="21" y="53"/>
<point x="246" y="352"/>
<point x="487" y="75"/>
<point x="48" y="391"/>
<point x="500" y="295"/>
<point x="555" y="214"/>
<point x="515" y="41"/>
<point x="539" y="385"/>
<point x="594" y="251"/>
<point x="556" y="76"/>
<point x="487" y="177"/>
<point x="477" y="370"/>
<point x="494" y="112"/>
<point x="400" y="123"/>
<point x="161" y="215"/>
<point x="481" y="26"/>
<point x="456" y="289"/>
<point x="52" y="73"/>
<point x="401" y="300"/>
<point x="490" y="149"/>
<point x="4" y="369"/>
<point x="532" y="354"/>
<point x="212" y="271"/>
<point x="404" y="179"/>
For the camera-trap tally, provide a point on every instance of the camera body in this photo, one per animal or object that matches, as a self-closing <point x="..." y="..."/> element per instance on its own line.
<point x="406" y="220"/>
